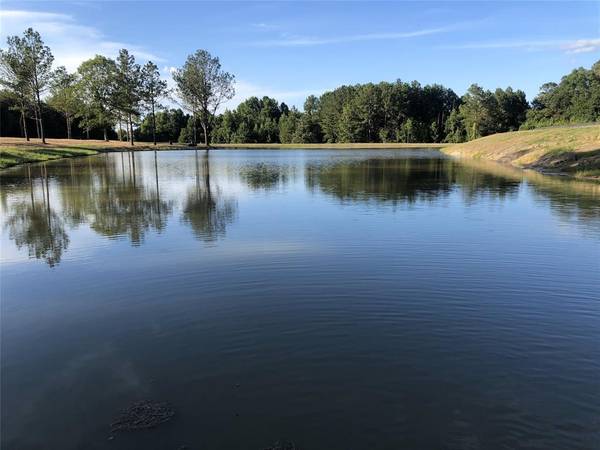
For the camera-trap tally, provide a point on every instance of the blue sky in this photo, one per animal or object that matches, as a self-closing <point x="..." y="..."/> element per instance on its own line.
<point x="291" y="49"/>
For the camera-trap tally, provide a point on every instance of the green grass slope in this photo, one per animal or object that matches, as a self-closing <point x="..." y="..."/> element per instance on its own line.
<point x="573" y="150"/>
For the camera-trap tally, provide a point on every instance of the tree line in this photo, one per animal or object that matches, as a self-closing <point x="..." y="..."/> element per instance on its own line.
<point x="111" y="95"/>
<point x="119" y="98"/>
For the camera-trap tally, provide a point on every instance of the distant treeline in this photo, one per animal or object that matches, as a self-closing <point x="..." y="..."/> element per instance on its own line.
<point x="111" y="99"/>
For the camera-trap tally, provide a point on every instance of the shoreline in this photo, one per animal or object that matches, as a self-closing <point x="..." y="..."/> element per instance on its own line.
<point x="16" y="151"/>
<point x="567" y="151"/>
<point x="572" y="152"/>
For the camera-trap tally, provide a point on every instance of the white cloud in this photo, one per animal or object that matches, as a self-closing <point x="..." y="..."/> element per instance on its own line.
<point x="71" y="43"/>
<point x="265" y="26"/>
<point x="568" y="46"/>
<point x="583" y="46"/>
<point x="304" y="41"/>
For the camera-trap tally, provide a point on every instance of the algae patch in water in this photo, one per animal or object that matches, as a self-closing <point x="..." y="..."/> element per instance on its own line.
<point x="143" y="415"/>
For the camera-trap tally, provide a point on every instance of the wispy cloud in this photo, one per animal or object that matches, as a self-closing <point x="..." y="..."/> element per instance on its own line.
<point x="567" y="46"/>
<point x="305" y="41"/>
<point x="583" y="46"/>
<point x="263" y="26"/>
<point x="71" y="42"/>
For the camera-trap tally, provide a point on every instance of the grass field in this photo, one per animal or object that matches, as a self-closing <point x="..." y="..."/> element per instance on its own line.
<point x="573" y="150"/>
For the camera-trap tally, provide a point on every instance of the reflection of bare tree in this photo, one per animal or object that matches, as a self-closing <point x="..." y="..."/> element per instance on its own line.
<point x="208" y="213"/>
<point x="35" y="225"/>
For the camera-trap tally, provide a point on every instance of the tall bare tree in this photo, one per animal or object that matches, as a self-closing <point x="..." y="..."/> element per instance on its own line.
<point x="203" y="86"/>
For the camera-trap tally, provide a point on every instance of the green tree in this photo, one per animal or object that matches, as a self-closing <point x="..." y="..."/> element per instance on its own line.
<point x="288" y="124"/>
<point x="479" y="111"/>
<point x="128" y="88"/>
<point x="454" y="128"/>
<point x="203" y="86"/>
<point x="576" y="99"/>
<point x="34" y="73"/>
<point x="63" y="96"/>
<point x="513" y="108"/>
<point x="153" y="89"/>
<point x="309" y="129"/>
<point x="96" y="92"/>
<point x="15" y="79"/>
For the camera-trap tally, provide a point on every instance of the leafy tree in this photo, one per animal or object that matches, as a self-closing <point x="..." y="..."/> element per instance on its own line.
<point x="576" y="99"/>
<point x="331" y="107"/>
<point x="27" y="63"/>
<point x="309" y="129"/>
<point x="203" y="86"/>
<point x="128" y="88"/>
<point x="166" y="126"/>
<point x="455" y="129"/>
<point x="14" y="79"/>
<point x="479" y="112"/>
<point x="97" y="94"/>
<point x="153" y="89"/>
<point x="38" y="67"/>
<point x="350" y="126"/>
<point x="288" y="124"/>
<point x="63" y="96"/>
<point x="513" y="108"/>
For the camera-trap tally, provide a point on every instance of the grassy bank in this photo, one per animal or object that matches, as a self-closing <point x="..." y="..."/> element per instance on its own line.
<point x="11" y="156"/>
<point x="15" y="151"/>
<point x="571" y="150"/>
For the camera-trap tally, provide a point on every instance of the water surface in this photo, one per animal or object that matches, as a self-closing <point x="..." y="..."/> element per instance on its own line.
<point x="338" y="299"/>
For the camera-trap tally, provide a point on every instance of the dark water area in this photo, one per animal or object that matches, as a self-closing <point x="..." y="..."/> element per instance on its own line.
<point x="336" y="299"/>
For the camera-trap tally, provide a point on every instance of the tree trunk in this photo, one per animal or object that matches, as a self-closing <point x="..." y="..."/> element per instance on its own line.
<point x="24" y="126"/>
<point x="130" y="129"/>
<point x="41" y="120"/>
<point x="105" y="135"/>
<point x="37" y="122"/>
<point x="68" y="119"/>
<point x="153" y="124"/>
<point x="205" y="129"/>
<point x="120" y="130"/>
<point x="195" y="140"/>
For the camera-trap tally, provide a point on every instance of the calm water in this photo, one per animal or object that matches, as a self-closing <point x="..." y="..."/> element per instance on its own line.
<point x="337" y="299"/>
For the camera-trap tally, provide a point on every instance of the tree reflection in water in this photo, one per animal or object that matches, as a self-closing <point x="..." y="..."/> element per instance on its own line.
<point x="116" y="204"/>
<point x="120" y="195"/>
<point x="207" y="212"/>
<point x="33" y="224"/>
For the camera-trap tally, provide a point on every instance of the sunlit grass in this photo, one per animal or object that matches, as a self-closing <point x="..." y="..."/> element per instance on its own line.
<point x="10" y="156"/>
<point x="573" y="150"/>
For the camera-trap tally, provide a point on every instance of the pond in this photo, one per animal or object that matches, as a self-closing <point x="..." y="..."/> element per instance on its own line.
<point x="336" y="299"/>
